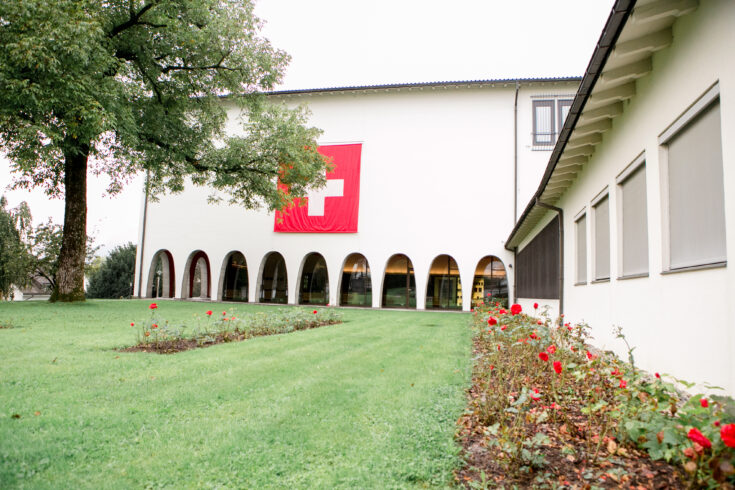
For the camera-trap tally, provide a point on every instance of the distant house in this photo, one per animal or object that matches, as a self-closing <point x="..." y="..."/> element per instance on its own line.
<point x="634" y="219"/>
<point x="38" y="288"/>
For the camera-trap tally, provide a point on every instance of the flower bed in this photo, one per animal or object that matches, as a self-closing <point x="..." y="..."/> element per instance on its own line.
<point x="158" y="335"/>
<point x="545" y="409"/>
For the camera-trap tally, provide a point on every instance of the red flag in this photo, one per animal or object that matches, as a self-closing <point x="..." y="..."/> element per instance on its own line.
<point x="333" y="208"/>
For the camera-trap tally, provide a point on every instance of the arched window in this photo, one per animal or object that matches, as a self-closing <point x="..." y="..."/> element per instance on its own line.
<point x="444" y="289"/>
<point x="356" y="287"/>
<point x="235" y="282"/>
<point x="199" y="274"/>
<point x="490" y="281"/>
<point x="273" y="280"/>
<point x="161" y="280"/>
<point x="314" y="282"/>
<point x="399" y="285"/>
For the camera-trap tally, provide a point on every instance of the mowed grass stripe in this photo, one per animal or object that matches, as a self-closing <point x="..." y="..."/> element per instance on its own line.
<point x="324" y="408"/>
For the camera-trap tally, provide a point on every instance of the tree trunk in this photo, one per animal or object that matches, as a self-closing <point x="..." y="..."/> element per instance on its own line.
<point x="70" y="275"/>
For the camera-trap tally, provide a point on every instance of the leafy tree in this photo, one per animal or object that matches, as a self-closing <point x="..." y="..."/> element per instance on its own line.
<point x="14" y="224"/>
<point x="123" y="86"/>
<point x="114" y="277"/>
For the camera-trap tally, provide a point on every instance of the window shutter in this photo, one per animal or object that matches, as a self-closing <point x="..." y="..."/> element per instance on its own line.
<point x="582" y="249"/>
<point x="602" y="239"/>
<point x="635" y="223"/>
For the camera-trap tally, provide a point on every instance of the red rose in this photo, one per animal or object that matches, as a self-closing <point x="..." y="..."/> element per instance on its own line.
<point x="704" y="402"/>
<point x="315" y="312"/>
<point x="153" y="306"/>
<point x="501" y="311"/>
<point x="533" y="335"/>
<point x="534" y="395"/>
<point x="727" y="433"/>
<point x="557" y="367"/>
<point x="551" y="349"/>
<point x="154" y="326"/>
<point x="543" y="356"/>
<point x="209" y="312"/>
<point x="132" y="324"/>
<point x="492" y="321"/>
<point x="658" y="375"/>
<point x="623" y="383"/>
<point x="695" y="436"/>
<point x="716" y="423"/>
<point x="535" y="306"/>
<point x="503" y="327"/>
<point x="224" y="313"/>
<point x="492" y="366"/>
<point x="515" y="309"/>
<point x="590" y="356"/>
<point x="540" y="322"/>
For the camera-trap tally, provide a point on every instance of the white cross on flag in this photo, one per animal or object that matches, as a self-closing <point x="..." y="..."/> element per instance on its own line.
<point x="334" y="207"/>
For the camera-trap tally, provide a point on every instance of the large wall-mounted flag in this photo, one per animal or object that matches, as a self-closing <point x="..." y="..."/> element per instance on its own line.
<point x="334" y="207"/>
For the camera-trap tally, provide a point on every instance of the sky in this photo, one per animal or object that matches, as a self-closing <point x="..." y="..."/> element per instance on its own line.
<point x="336" y="43"/>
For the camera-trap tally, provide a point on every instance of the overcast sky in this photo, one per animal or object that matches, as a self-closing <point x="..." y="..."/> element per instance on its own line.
<point x="345" y="42"/>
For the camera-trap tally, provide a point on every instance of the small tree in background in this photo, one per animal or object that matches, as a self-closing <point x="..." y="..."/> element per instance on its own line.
<point x="14" y="226"/>
<point x="114" y="276"/>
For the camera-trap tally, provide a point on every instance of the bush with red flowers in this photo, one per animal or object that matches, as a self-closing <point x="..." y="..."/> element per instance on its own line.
<point x="546" y="406"/>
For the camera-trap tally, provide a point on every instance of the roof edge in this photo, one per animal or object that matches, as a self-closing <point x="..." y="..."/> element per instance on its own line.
<point x="619" y="15"/>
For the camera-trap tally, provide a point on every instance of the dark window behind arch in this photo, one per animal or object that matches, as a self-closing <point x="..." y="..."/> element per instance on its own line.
<point x="444" y="289"/>
<point x="399" y="284"/>
<point x="235" y="283"/>
<point x="490" y="281"/>
<point x="356" y="287"/>
<point x="314" y="282"/>
<point x="274" y="280"/>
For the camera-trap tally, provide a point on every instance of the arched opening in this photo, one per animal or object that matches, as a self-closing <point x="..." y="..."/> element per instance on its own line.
<point x="444" y="289"/>
<point x="399" y="284"/>
<point x="356" y="288"/>
<point x="490" y="280"/>
<point x="161" y="276"/>
<point x="274" y="280"/>
<point x="314" y="283"/>
<point x="199" y="274"/>
<point x="235" y="282"/>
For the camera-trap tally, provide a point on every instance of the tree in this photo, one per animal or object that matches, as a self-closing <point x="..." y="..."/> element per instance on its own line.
<point x="124" y="86"/>
<point x="14" y="224"/>
<point x="114" y="277"/>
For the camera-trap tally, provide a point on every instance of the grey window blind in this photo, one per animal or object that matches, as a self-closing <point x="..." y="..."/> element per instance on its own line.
<point x="602" y="239"/>
<point x="582" y="249"/>
<point x="543" y="122"/>
<point x="696" y="192"/>
<point x="634" y="224"/>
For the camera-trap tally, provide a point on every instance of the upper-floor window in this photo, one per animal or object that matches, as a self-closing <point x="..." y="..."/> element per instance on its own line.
<point x="548" y="119"/>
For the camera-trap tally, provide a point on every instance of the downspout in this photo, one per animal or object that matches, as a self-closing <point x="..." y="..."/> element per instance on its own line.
<point x="515" y="156"/>
<point x="142" y="239"/>
<point x="560" y="212"/>
<point x="515" y="275"/>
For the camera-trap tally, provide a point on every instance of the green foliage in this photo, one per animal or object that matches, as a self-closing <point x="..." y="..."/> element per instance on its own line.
<point x="139" y="86"/>
<point x="113" y="277"/>
<point x="14" y="224"/>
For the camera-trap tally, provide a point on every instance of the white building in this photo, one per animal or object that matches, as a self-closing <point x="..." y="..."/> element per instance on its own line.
<point x="438" y="165"/>
<point x="643" y="182"/>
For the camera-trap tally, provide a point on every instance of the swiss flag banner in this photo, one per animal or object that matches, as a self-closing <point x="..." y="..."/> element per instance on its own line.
<point x="334" y="207"/>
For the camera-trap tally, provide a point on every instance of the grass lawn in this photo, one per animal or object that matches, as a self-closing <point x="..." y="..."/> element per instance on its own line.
<point x="369" y="403"/>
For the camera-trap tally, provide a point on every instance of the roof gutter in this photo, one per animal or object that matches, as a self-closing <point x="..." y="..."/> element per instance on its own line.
<point x="610" y="33"/>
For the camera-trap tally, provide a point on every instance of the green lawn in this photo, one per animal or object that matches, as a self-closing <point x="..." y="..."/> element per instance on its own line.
<point x="369" y="403"/>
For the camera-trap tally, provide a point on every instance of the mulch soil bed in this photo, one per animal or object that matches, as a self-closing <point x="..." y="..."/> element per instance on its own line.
<point x="172" y="346"/>
<point x="568" y="462"/>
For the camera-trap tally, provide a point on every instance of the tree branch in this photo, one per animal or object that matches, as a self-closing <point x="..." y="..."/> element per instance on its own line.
<point x="133" y="20"/>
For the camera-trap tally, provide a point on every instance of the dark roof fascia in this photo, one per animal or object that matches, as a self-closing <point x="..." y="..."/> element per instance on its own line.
<point x="610" y="33"/>
<point x="424" y="84"/>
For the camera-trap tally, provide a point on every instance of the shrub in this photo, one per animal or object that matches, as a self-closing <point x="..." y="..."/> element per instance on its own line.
<point x="115" y="275"/>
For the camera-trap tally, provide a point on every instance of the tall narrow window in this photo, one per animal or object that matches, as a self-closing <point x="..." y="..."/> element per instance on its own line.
<point x="543" y="122"/>
<point x="696" y="207"/>
<point x="602" y="239"/>
<point x="564" y="106"/>
<point x="581" y="226"/>
<point x="634" y="223"/>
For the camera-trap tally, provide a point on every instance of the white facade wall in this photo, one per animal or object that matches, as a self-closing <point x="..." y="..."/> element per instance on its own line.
<point x="680" y="323"/>
<point x="437" y="177"/>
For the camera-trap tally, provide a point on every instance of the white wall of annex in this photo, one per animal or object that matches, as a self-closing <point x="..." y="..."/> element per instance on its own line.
<point x="682" y="323"/>
<point x="436" y="178"/>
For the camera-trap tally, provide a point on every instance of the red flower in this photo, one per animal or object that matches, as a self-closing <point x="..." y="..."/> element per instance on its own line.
<point x="623" y="383"/>
<point x="534" y="395"/>
<point x="209" y="312"/>
<point x="658" y="375"/>
<point x="616" y="372"/>
<point x="704" y="402"/>
<point x="543" y="356"/>
<point x="492" y="321"/>
<point x="489" y="294"/>
<point x="590" y="356"/>
<point x="535" y="306"/>
<point x="153" y="306"/>
<point x="132" y="324"/>
<point x="533" y="335"/>
<point x="503" y="327"/>
<point x="540" y="322"/>
<point x="224" y="313"/>
<point x="315" y="312"/>
<point x="727" y="433"/>
<point x="716" y="423"/>
<point x="501" y="311"/>
<point x="695" y="436"/>
<point x="515" y="309"/>
<point x="551" y="349"/>
<point x="154" y="326"/>
<point x="557" y="367"/>
<point x="492" y="366"/>
<point x="498" y="346"/>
